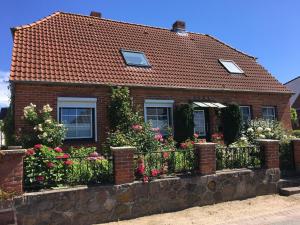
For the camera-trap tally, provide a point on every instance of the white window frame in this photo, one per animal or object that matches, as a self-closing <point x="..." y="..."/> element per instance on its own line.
<point x="249" y="110"/>
<point x="268" y="107"/>
<point x="222" y="61"/>
<point x="159" y="103"/>
<point x="205" y="130"/>
<point x="75" y="102"/>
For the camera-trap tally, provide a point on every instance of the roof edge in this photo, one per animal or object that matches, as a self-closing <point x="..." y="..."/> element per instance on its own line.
<point x="235" y="49"/>
<point x="292" y="80"/>
<point x="146" y="86"/>
<point x="13" y="29"/>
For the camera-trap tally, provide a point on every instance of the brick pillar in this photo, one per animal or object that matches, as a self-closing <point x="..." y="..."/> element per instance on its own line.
<point x="123" y="164"/>
<point x="206" y="158"/>
<point x="11" y="170"/>
<point x="296" y="149"/>
<point x="270" y="150"/>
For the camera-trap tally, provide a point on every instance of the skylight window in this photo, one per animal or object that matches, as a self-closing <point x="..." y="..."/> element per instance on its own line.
<point x="231" y="66"/>
<point x="134" y="58"/>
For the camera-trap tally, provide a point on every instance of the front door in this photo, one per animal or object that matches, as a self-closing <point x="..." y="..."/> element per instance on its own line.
<point x="201" y="123"/>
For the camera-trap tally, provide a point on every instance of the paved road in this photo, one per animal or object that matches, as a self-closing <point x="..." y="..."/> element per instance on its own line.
<point x="264" y="210"/>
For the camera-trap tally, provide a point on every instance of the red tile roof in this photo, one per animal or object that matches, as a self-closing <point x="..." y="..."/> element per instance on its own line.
<point x="73" y="48"/>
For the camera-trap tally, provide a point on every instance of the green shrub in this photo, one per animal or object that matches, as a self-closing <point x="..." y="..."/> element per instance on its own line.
<point x="294" y="117"/>
<point x="8" y="127"/>
<point x="183" y="122"/>
<point x="232" y="123"/>
<point x="296" y="133"/>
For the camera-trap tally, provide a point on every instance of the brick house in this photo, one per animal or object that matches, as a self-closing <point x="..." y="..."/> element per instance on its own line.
<point x="294" y="85"/>
<point x="70" y="61"/>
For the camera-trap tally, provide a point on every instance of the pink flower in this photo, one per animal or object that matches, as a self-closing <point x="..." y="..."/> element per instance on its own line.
<point x="154" y="172"/>
<point x="183" y="145"/>
<point x="40" y="178"/>
<point x="145" y="179"/>
<point x="137" y="127"/>
<point x="196" y="135"/>
<point x="94" y="154"/>
<point x="161" y="140"/>
<point x="58" y="149"/>
<point x="50" y="165"/>
<point x="158" y="137"/>
<point x="68" y="162"/>
<point x="155" y="129"/>
<point x="30" y="152"/>
<point x="38" y="146"/>
<point x="201" y="141"/>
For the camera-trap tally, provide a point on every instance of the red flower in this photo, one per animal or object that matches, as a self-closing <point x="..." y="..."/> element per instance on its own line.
<point x="40" y="178"/>
<point x="30" y="152"/>
<point x="166" y="155"/>
<point x="50" y="164"/>
<point x="141" y="169"/>
<point x="38" y="146"/>
<point x="192" y="142"/>
<point x="183" y="145"/>
<point x="145" y="179"/>
<point x="58" y="149"/>
<point x="64" y="156"/>
<point x="196" y="135"/>
<point x="154" y="172"/>
<point x="68" y="162"/>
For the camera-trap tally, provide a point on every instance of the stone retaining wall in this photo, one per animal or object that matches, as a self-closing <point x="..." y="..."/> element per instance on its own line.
<point x="89" y="205"/>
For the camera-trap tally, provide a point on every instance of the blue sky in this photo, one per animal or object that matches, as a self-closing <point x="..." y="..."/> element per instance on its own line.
<point x="267" y="29"/>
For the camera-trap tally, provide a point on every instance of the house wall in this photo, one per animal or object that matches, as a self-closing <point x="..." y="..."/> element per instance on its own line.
<point x="48" y="94"/>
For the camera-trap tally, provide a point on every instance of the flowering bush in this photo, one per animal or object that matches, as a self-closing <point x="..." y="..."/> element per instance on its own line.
<point x="130" y="128"/>
<point x="218" y="138"/>
<point x="266" y="129"/>
<point x="45" y="129"/>
<point x="50" y="167"/>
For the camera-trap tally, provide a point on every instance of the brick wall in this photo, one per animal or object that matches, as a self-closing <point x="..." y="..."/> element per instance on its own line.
<point x="11" y="171"/>
<point x="47" y="94"/>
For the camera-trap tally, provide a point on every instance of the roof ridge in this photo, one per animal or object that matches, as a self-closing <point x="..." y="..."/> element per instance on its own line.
<point x="116" y="21"/>
<point x="36" y="22"/>
<point x="235" y="49"/>
<point x="129" y="23"/>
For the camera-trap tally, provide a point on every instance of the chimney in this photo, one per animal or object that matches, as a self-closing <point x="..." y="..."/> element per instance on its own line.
<point x="95" y="14"/>
<point x="179" y="26"/>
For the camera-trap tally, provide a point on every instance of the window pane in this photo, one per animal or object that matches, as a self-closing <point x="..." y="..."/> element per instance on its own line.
<point x="84" y="111"/>
<point x="135" y="58"/>
<point x="199" y="123"/>
<point x="159" y="117"/>
<point x="151" y="111"/>
<point x="269" y="113"/>
<point x="246" y="114"/>
<point x="68" y="119"/>
<point x="78" y="122"/>
<point x="231" y="66"/>
<point x="162" y="111"/>
<point x="71" y="131"/>
<point x="68" y="111"/>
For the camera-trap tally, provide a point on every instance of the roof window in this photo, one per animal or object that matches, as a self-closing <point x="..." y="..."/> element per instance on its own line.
<point x="231" y="66"/>
<point x="134" y="58"/>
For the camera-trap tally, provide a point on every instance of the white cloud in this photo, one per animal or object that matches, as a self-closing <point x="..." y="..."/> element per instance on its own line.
<point x="4" y="92"/>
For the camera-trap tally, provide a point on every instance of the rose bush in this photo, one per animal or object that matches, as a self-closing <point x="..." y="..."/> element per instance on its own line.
<point x="44" y="129"/>
<point x="46" y="167"/>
